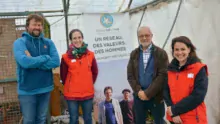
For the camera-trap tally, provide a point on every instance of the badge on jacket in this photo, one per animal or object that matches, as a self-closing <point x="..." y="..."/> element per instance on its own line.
<point x="190" y="75"/>
<point x="73" y="60"/>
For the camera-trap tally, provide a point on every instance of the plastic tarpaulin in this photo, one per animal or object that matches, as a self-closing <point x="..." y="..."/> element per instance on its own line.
<point x="198" y="20"/>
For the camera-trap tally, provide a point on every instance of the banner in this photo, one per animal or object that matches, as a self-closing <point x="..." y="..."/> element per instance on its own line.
<point x="108" y="35"/>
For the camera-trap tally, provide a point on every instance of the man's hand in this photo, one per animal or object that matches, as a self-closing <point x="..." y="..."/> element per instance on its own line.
<point x="142" y="95"/>
<point x="27" y="53"/>
<point x="177" y="120"/>
<point x="169" y="111"/>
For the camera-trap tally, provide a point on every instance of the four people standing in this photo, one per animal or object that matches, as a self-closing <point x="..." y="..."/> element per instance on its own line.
<point x="183" y="86"/>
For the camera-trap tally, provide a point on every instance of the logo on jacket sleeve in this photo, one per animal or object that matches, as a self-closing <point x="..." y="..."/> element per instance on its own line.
<point x="45" y="46"/>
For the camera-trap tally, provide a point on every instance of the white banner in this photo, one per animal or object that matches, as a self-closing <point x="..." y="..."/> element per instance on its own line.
<point x="108" y="35"/>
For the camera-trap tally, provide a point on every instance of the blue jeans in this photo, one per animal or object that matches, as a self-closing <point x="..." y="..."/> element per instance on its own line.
<point x="34" y="108"/>
<point x="141" y="108"/>
<point x="73" y="107"/>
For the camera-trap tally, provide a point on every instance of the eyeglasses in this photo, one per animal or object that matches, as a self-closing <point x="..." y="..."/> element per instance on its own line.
<point x="146" y="36"/>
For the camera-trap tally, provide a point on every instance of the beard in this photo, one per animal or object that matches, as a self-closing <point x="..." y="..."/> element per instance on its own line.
<point x="35" y="33"/>
<point x="145" y="44"/>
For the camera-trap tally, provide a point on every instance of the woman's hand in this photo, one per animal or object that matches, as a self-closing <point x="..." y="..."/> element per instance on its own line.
<point x="177" y="120"/>
<point x="169" y="111"/>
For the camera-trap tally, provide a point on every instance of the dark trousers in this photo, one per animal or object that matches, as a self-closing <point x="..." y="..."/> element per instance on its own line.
<point x="141" y="108"/>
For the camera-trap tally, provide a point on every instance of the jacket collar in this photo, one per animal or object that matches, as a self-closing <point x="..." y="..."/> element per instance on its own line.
<point x="148" y="49"/>
<point x="137" y="50"/>
<point x="70" y="49"/>
<point x="28" y="36"/>
<point x="174" y="65"/>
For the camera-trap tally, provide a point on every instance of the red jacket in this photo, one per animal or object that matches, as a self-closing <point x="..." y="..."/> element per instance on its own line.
<point x="78" y="76"/>
<point x="181" y="86"/>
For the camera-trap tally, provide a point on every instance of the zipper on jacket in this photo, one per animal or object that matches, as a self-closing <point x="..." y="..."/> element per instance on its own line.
<point x="80" y="62"/>
<point x="197" y="117"/>
<point x="177" y="75"/>
<point x="89" y="66"/>
<point x="69" y="84"/>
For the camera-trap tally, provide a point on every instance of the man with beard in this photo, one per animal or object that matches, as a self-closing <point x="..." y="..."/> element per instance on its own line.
<point x="35" y="57"/>
<point x="147" y="73"/>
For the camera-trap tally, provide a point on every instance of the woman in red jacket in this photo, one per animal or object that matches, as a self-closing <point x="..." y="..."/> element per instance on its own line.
<point x="187" y="85"/>
<point x="78" y="73"/>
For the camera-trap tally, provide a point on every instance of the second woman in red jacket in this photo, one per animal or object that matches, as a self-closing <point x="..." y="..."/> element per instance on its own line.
<point x="187" y="85"/>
